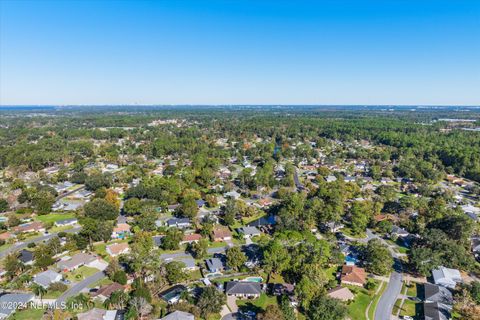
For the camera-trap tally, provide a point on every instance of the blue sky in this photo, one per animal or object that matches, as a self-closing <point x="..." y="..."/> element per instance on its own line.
<point x="240" y="52"/>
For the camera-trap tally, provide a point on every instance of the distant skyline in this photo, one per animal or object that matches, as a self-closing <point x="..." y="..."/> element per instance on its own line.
<point x="394" y="52"/>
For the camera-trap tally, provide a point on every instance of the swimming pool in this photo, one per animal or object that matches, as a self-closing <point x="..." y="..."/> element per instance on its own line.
<point x="254" y="279"/>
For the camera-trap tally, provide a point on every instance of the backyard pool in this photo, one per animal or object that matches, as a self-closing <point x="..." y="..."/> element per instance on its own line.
<point x="253" y="279"/>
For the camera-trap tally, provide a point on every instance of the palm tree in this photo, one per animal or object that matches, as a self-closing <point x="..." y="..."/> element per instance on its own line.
<point x="38" y="290"/>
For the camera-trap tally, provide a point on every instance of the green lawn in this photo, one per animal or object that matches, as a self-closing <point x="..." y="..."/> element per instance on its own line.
<point x="408" y="308"/>
<point x="412" y="290"/>
<point x="52" y="294"/>
<point x="28" y="314"/>
<point x="53" y="217"/>
<point x="357" y="308"/>
<point x="81" y="273"/>
<point x="396" y="306"/>
<point x="102" y="282"/>
<point x="261" y="302"/>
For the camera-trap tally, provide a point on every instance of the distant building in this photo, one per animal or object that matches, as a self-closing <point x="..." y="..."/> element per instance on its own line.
<point x="29" y="227"/>
<point x="106" y="291"/>
<point x="436" y="311"/>
<point x="222" y="234"/>
<point x="180" y="223"/>
<point x="249" y="232"/>
<point x="66" y="222"/>
<point x="10" y="302"/>
<point x="78" y="260"/>
<point x="98" y="314"/>
<point x="121" y="231"/>
<point x="214" y="265"/>
<point x="116" y="249"/>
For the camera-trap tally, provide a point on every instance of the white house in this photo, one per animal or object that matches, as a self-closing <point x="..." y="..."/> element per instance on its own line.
<point x="446" y="277"/>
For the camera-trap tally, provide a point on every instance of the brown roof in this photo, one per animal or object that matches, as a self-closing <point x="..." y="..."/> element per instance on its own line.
<point x="121" y="227"/>
<point x="5" y="235"/>
<point x="117" y="248"/>
<point x="192" y="237"/>
<point x="353" y="274"/>
<point x="108" y="289"/>
<point x="28" y="226"/>
<point x="221" y="233"/>
<point x="341" y="293"/>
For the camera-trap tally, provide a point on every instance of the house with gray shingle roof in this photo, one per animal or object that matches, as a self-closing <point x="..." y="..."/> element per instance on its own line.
<point x="243" y="289"/>
<point x="46" y="278"/>
<point x="179" y="315"/>
<point x="10" y="302"/>
<point x="214" y="265"/>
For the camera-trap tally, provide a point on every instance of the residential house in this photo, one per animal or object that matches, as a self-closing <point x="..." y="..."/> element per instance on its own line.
<point x="399" y="232"/>
<point x="191" y="238"/>
<point x="172" y="295"/>
<point x="78" y="260"/>
<point x="232" y="194"/>
<point x="189" y="263"/>
<point x="214" y="265"/>
<point x="353" y="275"/>
<point x="436" y="311"/>
<point x="180" y="223"/>
<point x="249" y="232"/>
<point x="434" y="293"/>
<point x="116" y="249"/>
<point x="179" y="315"/>
<point x="104" y="292"/>
<point x="341" y="293"/>
<point x="46" y="278"/>
<point x="446" y="277"/>
<point x="243" y="289"/>
<point x="29" y="227"/>
<point x="221" y="234"/>
<point x="279" y="289"/>
<point x="5" y="236"/>
<point x="66" y="222"/>
<point x="157" y="240"/>
<point x="121" y="231"/>
<point x="26" y="257"/>
<point x="10" y="302"/>
<point x="98" y="314"/>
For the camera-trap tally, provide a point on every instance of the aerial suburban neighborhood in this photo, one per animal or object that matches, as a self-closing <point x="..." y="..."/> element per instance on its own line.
<point x="171" y="214"/>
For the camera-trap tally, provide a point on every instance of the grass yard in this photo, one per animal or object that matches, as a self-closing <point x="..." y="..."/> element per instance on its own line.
<point x="412" y="289"/>
<point x="408" y="308"/>
<point x="356" y="309"/>
<point x="102" y="282"/>
<point x="81" y="273"/>
<point x="396" y="306"/>
<point x="260" y="303"/>
<point x="28" y="314"/>
<point x="54" y="217"/>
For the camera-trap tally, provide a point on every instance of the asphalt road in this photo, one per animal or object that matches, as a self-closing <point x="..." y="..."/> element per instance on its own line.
<point x="77" y="288"/>
<point x="385" y="305"/>
<point x="23" y="245"/>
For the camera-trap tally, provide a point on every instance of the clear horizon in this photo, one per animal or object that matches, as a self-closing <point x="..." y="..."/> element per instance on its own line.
<point x="419" y="53"/>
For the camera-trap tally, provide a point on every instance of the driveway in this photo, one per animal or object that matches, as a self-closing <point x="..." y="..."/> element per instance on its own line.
<point x="232" y="304"/>
<point x="77" y="288"/>
<point x="23" y="245"/>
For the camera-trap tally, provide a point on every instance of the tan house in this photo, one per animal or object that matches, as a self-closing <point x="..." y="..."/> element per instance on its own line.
<point x="117" y="249"/>
<point x="353" y="275"/>
<point x="190" y="238"/>
<point x="29" y="227"/>
<point x="222" y="234"/>
<point x="341" y="293"/>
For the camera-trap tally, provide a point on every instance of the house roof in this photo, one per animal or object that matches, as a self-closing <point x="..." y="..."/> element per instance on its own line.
<point x="221" y="232"/>
<point x="46" y="278"/>
<point x="175" y="221"/>
<point x="26" y="256"/>
<point x="214" y="264"/>
<point x="76" y="260"/>
<point x="341" y="293"/>
<point x="442" y="274"/>
<point x="117" y="248"/>
<point x="28" y="226"/>
<point x="436" y="311"/>
<point x="353" y="274"/>
<point x="243" y="287"/>
<point x="249" y="230"/>
<point x="179" y="315"/>
<point x="192" y="237"/>
<point x="434" y="293"/>
<point x="93" y="314"/>
<point x="10" y="301"/>
<point x="66" y="221"/>
<point x="121" y="227"/>
<point x="108" y="289"/>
